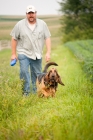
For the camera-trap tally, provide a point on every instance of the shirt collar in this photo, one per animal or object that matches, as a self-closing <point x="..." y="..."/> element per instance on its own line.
<point x="28" y="22"/>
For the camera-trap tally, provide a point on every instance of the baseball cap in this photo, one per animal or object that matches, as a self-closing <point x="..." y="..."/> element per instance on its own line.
<point x="30" y="8"/>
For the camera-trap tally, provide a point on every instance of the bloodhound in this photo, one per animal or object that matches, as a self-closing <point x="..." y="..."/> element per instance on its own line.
<point x="47" y="82"/>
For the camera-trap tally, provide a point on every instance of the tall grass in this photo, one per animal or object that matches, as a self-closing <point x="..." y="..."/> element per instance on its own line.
<point x="68" y="116"/>
<point x="84" y="51"/>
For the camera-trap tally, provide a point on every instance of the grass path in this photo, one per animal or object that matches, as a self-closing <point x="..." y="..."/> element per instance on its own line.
<point x="69" y="116"/>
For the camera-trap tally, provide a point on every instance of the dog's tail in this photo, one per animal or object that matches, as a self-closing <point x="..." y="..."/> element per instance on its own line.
<point x="49" y="64"/>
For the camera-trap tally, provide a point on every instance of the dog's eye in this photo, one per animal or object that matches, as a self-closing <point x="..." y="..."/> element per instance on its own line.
<point x="50" y="71"/>
<point x="55" y="71"/>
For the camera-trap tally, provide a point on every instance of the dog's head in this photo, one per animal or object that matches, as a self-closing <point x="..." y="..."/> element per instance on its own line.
<point x="52" y="76"/>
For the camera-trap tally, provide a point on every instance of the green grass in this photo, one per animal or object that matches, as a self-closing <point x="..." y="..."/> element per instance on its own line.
<point x="84" y="51"/>
<point x="68" y="116"/>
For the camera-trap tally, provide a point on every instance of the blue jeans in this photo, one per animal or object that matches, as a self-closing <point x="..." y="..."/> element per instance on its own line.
<point x="29" y="69"/>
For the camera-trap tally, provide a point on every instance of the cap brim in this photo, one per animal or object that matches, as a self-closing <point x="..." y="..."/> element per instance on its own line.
<point x="31" y="11"/>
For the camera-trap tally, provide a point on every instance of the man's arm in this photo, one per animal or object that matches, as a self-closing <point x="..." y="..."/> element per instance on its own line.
<point x="13" y="47"/>
<point x="48" y="47"/>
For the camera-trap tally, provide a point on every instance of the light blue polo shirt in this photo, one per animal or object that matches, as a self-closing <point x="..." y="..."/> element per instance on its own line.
<point x="30" y="43"/>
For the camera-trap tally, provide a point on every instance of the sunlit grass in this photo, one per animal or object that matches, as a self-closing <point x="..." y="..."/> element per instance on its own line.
<point x="6" y="25"/>
<point x="5" y="34"/>
<point x="67" y="116"/>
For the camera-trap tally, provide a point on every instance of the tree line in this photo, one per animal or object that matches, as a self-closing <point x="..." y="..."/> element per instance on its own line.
<point x="77" y="19"/>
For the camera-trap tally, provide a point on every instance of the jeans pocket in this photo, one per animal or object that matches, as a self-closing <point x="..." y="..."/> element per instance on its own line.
<point x="21" y="56"/>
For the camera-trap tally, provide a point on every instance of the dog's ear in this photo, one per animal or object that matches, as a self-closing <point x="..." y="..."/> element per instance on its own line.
<point x="46" y="78"/>
<point x="58" y="80"/>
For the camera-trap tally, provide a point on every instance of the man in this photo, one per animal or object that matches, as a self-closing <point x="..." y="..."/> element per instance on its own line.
<point x="28" y="38"/>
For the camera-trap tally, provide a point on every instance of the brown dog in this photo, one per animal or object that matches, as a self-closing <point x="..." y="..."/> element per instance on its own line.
<point x="47" y="82"/>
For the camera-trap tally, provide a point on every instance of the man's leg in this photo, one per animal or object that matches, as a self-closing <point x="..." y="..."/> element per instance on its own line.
<point x="24" y="72"/>
<point x="35" y="67"/>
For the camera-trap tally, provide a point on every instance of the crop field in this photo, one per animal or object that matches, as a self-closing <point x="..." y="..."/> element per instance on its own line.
<point x="84" y="51"/>
<point x="68" y="116"/>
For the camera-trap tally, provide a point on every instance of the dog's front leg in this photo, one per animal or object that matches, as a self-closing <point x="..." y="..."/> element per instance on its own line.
<point x="45" y="92"/>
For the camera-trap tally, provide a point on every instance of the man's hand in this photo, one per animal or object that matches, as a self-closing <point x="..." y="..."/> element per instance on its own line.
<point x="47" y="57"/>
<point x="13" y="57"/>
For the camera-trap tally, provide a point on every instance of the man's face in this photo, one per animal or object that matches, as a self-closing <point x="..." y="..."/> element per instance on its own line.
<point x="31" y="16"/>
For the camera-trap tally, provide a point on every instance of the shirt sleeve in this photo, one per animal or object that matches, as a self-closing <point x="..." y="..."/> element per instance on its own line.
<point x="15" y="32"/>
<point x="47" y="33"/>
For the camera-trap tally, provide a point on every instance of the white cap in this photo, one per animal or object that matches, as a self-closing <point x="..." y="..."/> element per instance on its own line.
<point x="30" y="8"/>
